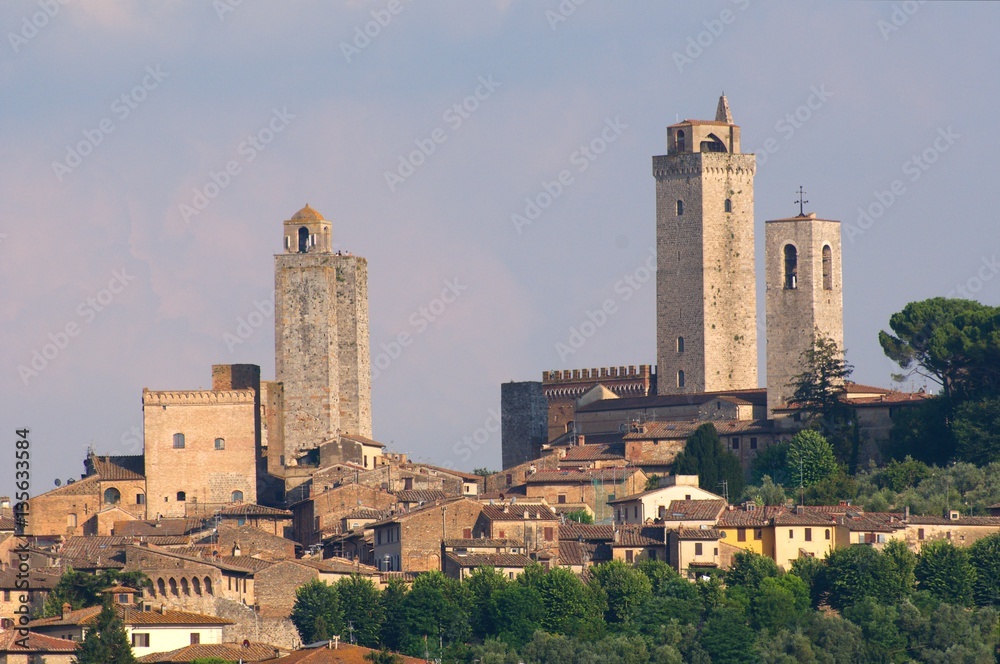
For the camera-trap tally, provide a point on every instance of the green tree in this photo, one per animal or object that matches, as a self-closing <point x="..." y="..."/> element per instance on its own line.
<point x="922" y="432"/>
<point x="984" y="555"/>
<point x="625" y="588"/>
<point x="83" y="589"/>
<point x="484" y="472"/>
<point x="483" y="585"/>
<point x="580" y="516"/>
<point x="727" y="638"/>
<point x="810" y="458"/>
<point x="383" y="657"/>
<point x="569" y="606"/>
<point x="519" y="614"/>
<point x="768" y="493"/>
<point x="781" y="602"/>
<point x="976" y="429"/>
<point x="106" y="641"/>
<point x="393" y="624"/>
<point x="832" y="489"/>
<point x="878" y="626"/>
<point x="902" y="475"/>
<point x="749" y="569"/>
<point x="771" y="461"/>
<point x="946" y="572"/>
<point x="854" y="573"/>
<point x="316" y="613"/>
<point x="436" y="607"/>
<point x="361" y="610"/>
<point x="812" y="572"/>
<point x="840" y="640"/>
<point x="705" y="456"/>
<point x="903" y="562"/>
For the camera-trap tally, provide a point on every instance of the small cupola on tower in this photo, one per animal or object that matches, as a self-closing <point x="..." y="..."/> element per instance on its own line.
<point x="693" y="136"/>
<point x="307" y="232"/>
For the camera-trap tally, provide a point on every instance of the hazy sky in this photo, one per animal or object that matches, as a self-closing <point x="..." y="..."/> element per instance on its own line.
<point x="121" y="221"/>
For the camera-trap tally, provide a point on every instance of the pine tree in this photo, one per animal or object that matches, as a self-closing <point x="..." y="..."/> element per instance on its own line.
<point x="106" y="641"/>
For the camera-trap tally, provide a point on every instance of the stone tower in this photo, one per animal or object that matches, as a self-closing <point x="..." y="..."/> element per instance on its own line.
<point x="706" y="303"/>
<point x="805" y="296"/>
<point x="320" y="336"/>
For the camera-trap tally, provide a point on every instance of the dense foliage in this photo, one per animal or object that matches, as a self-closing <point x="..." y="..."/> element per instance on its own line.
<point x="106" y="641"/>
<point x="717" y="468"/>
<point x="892" y="606"/>
<point x="81" y="589"/>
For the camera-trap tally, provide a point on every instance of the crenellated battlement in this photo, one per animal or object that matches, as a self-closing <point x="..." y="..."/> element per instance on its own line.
<point x="196" y="397"/>
<point x="640" y="372"/>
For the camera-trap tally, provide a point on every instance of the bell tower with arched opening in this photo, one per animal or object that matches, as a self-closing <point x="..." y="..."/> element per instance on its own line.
<point x="804" y="297"/>
<point x="706" y="302"/>
<point x="320" y="336"/>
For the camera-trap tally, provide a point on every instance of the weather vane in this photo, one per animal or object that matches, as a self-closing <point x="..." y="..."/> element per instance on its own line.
<point x="801" y="201"/>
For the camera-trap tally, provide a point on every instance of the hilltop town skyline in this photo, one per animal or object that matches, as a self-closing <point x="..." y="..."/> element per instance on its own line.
<point x="187" y="278"/>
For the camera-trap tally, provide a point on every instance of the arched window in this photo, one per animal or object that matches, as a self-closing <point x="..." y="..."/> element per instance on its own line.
<point x="827" y="267"/>
<point x="161" y="587"/>
<point x="178" y="441"/>
<point x="303" y="240"/>
<point x="237" y="496"/>
<point x="181" y="496"/>
<point x="173" y="586"/>
<point x="208" y="585"/>
<point x="680" y="378"/>
<point x="185" y="587"/>
<point x="729" y="205"/>
<point x="791" y="267"/>
<point x="680" y="344"/>
<point x="680" y="207"/>
<point x="196" y="584"/>
<point x="71" y="520"/>
<point x="112" y="496"/>
<point x="220" y="443"/>
<point x="680" y="140"/>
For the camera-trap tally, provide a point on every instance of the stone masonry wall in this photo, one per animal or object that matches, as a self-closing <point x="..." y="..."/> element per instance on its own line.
<point x="353" y="355"/>
<point x="523" y="417"/>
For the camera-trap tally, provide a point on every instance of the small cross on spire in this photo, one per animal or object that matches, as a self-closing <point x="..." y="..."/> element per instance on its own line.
<point x="801" y="201"/>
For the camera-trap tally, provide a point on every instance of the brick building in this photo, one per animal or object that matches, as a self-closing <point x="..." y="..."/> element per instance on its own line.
<point x="412" y="541"/>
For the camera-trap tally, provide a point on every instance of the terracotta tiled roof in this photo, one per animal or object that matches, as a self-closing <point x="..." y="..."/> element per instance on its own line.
<point x="255" y="652"/>
<point x="482" y="542"/>
<point x="252" y="509"/>
<point x="874" y="522"/>
<point x="586" y="531"/>
<point x="335" y="565"/>
<point x="519" y="512"/>
<point x="401" y="516"/>
<point x="343" y="654"/>
<point x="961" y="521"/>
<point x="698" y="534"/>
<point x="681" y="430"/>
<point x="38" y="643"/>
<point x="7" y="523"/>
<point x="576" y="476"/>
<point x="805" y="518"/>
<point x="744" y="518"/>
<point x="856" y="388"/>
<point x="117" y="468"/>
<point x="595" y="452"/>
<point x="38" y="579"/>
<point x="572" y="552"/>
<point x="634" y="535"/>
<point x="361" y="439"/>
<point x="131" y="616"/>
<point x="368" y="513"/>
<point x="490" y="560"/>
<point x="756" y="396"/>
<point x="162" y="527"/>
<point x="420" y="495"/>
<point x="86" y="486"/>
<point x="694" y="510"/>
<point x="447" y="471"/>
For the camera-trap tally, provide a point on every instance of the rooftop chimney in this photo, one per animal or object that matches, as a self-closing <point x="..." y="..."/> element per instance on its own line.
<point x="66" y="608"/>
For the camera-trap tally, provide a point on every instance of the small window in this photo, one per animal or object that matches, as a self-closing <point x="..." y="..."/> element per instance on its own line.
<point x="809" y="534"/>
<point x="561" y="499"/>
<point x="680" y="207"/>
<point x="753" y="442"/>
<point x="241" y="521"/>
<point x="758" y="534"/>
<point x="220" y="443"/>
<point x="920" y="533"/>
<point x="195" y="638"/>
<point x="547" y="533"/>
<point x="791" y="267"/>
<point x="288" y="242"/>
<point x="123" y="598"/>
<point x="680" y="344"/>
<point x="628" y="555"/>
<point x="467" y="533"/>
<point x="501" y="534"/>
<point x="680" y="378"/>
<point x="510" y="479"/>
<point x="826" y="534"/>
<point x="112" y="496"/>
<point x="178" y="441"/>
<point x="736" y="442"/>
<point x="237" y="497"/>
<point x="729" y="205"/>
<point x="303" y="240"/>
<point x="697" y="548"/>
<point x="140" y="499"/>
<point x="6" y="595"/>
<point x="140" y="640"/>
<point x="827" y="268"/>
<point x="181" y="496"/>
<point x="791" y="534"/>
<point x="741" y="535"/>
<point x="680" y="140"/>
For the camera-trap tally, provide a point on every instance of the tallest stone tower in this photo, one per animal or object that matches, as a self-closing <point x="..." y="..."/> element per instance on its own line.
<point x="706" y="302"/>
<point x="321" y="336"/>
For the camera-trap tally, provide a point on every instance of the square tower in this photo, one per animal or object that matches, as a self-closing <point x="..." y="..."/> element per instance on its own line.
<point x="804" y="298"/>
<point x="706" y="302"/>
<point x="321" y="336"/>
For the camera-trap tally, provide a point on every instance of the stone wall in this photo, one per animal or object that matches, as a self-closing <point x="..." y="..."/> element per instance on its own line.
<point x="523" y="421"/>
<point x="353" y="355"/>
